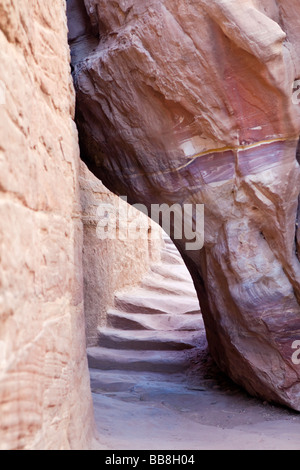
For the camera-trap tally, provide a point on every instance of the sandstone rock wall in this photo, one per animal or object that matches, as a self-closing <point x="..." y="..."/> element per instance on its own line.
<point x="192" y="102"/>
<point x="120" y="260"/>
<point x="45" y="400"/>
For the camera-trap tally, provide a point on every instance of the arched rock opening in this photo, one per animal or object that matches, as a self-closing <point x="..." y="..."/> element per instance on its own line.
<point x="181" y="102"/>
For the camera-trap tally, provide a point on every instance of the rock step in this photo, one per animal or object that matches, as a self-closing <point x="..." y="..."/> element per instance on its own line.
<point x="171" y="258"/>
<point x="174" y="272"/>
<point x="144" y="361"/>
<point x="161" y="284"/>
<point x="168" y="240"/>
<point x="171" y="247"/>
<point x="115" y="381"/>
<point x="173" y="251"/>
<point x="163" y="322"/>
<point x="147" y="301"/>
<point x="146" y="340"/>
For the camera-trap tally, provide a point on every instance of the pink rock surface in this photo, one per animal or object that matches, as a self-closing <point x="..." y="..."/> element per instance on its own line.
<point x="45" y="398"/>
<point x="191" y="102"/>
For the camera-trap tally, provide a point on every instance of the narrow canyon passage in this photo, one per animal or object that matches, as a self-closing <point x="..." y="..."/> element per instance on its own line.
<point x="155" y="385"/>
<point x="163" y="103"/>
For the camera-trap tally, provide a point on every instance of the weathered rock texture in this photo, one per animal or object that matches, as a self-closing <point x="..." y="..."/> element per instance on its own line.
<point x="191" y="102"/>
<point x="114" y="263"/>
<point x="45" y="399"/>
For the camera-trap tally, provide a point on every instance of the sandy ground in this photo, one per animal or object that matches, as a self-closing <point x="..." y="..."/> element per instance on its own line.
<point x="202" y="410"/>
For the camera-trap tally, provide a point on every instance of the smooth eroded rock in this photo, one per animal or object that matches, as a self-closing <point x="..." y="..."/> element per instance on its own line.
<point x="193" y="102"/>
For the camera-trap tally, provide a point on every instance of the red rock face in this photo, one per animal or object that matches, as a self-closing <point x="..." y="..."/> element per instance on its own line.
<point x="192" y="102"/>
